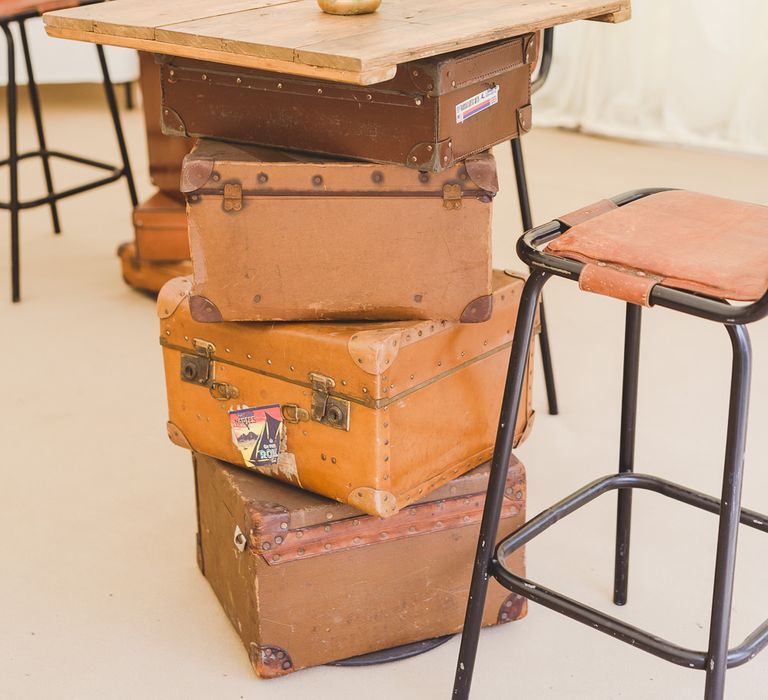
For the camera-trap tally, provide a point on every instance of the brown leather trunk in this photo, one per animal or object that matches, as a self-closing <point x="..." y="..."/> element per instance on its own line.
<point x="165" y="153"/>
<point x="372" y="414"/>
<point x="160" y="226"/>
<point x="433" y="113"/>
<point x="306" y="581"/>
<point x="148" y="276"/>
<point x="276" y="236"/>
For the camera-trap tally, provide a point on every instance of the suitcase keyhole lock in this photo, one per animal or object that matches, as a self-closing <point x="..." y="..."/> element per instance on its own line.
<point x="334" y="414"/>
<point x="190" y="371"/>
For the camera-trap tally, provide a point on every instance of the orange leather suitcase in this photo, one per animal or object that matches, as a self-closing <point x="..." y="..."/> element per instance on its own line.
<point x="306" y="581"/>
<point x="279" y="236"/>
<point x="165" y="153"/>
<point x="376" y="415"/>
<point x="148" y="276"/>
<point x="160" y="227"/>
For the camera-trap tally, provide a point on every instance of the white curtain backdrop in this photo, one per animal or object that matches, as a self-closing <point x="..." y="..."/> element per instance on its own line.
<point x="691" y="72"/>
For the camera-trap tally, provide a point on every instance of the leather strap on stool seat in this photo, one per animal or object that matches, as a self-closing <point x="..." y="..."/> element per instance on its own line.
<point x="586" y="213"/>
<point x="633" y="286"/>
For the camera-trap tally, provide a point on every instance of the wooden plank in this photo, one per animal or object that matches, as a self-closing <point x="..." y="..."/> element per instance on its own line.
<point x="405" y="42"/>
<point x="139" y="18"/>
<point x="288" y="29"/>
<point x="277" y="66"/>
<point x="295" y="37"/>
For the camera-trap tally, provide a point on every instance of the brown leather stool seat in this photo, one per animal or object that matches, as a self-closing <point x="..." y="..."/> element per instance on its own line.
<point x="708" y="245"/>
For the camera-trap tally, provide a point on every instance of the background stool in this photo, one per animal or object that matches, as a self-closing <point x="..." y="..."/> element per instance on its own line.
<point x="545" y="61"/>
<point x="18" y="12"/>
<point x="686" y="252"/>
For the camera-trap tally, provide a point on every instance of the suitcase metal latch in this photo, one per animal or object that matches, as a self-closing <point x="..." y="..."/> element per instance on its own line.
<point x="198" y="369"/>
<point x="329" y="410"/>
<point x="452" y="196"/>
<point x="293" y="413"/>
<point x="233" y="196"/>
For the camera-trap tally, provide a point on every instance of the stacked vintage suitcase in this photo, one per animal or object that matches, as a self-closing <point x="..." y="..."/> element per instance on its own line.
<point x="160" y="250"/>
<point x="371" y="366"/>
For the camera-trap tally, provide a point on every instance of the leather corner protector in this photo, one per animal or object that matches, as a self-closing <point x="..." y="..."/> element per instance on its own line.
<point x="481" y="169"/>
<point x="172" y="293"/>
<point x="524" y="122"/>
<point x="373" y="501"/>
<point x="633" y="286"/>
<point x="266" y="520"/>
<point x="122" y="248"/>
<point x="478" y="311"/>
<point x="195" y="172"/>
<point x="514" y="607"/>
<point x="177" y="437"/>
<point x="203" y="310"/>
<point x="171" y="123"/>
<point x="432" y="157"/>
<point x="270" y="661"/>
<point x="375" y="351"/>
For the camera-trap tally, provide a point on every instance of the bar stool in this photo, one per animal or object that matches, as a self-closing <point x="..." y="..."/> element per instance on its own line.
<point x="18" y="12"/>
<point x="545" y="62"/>
<point x="687" y="252"/>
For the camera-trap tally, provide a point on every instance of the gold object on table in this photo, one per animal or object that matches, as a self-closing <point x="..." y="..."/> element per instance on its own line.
<point x="349" y="7"/>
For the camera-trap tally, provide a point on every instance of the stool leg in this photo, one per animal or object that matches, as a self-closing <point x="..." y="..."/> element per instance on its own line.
<point x="109" y="90"/>
<point x="500" y="465"/>
<point x="34" y="98"/>
<point x="13" y="163"/>
<point x="730" y="511"/>
<point x="525" y="215"/>
<point x="627" y="449"/>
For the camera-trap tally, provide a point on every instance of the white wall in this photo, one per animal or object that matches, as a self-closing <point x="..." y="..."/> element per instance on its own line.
<point x="64" y="61"/>
<point x="682" y="71"/>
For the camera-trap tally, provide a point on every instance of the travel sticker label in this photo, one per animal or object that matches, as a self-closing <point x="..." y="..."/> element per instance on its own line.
<point x="478" y="103"/>
<point x="259" y="434"/>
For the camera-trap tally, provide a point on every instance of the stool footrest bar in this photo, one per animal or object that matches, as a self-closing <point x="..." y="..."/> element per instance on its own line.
<point x="603" y="622"/>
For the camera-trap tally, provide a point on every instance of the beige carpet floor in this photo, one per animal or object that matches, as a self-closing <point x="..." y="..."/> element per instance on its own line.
<point x="100" y="596"/>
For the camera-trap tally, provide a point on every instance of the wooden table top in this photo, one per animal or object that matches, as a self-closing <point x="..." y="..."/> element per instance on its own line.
<point x="296" y="37"/>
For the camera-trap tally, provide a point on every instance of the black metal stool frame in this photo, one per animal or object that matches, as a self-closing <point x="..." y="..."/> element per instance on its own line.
<point x="525" y="215"/>
<point x="489" y="559"/>
<point x="15" y="205"/>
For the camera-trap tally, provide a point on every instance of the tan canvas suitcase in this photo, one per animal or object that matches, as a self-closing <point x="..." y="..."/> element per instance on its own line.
<point x="432" y="114"/>
<point x="372" y="414"/>
<point x="160" y="227"/>
<point x="276" y="236"/>
<point x="165" y="152"/>
<point x="148" y="276"/>
<point x="306" y="581"/>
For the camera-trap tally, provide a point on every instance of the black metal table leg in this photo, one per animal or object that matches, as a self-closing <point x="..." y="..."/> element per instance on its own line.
<point x="722" y="595"/>
<point x="109" y="90"/>
<point x="526" y="317"/>
<point x="627" y="449"/>
<point x="527" y="219"/>
<point x="34" y="99"/>
<point x="13" y="163"/>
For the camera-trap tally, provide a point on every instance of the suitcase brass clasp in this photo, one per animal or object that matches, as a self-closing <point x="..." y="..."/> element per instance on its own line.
<point x="233" y="196"/>
<point x="452" y="196"/>
<point x="293" y="413"/>
<point x="199" y="369"/>
<point x="326" y="409"/>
